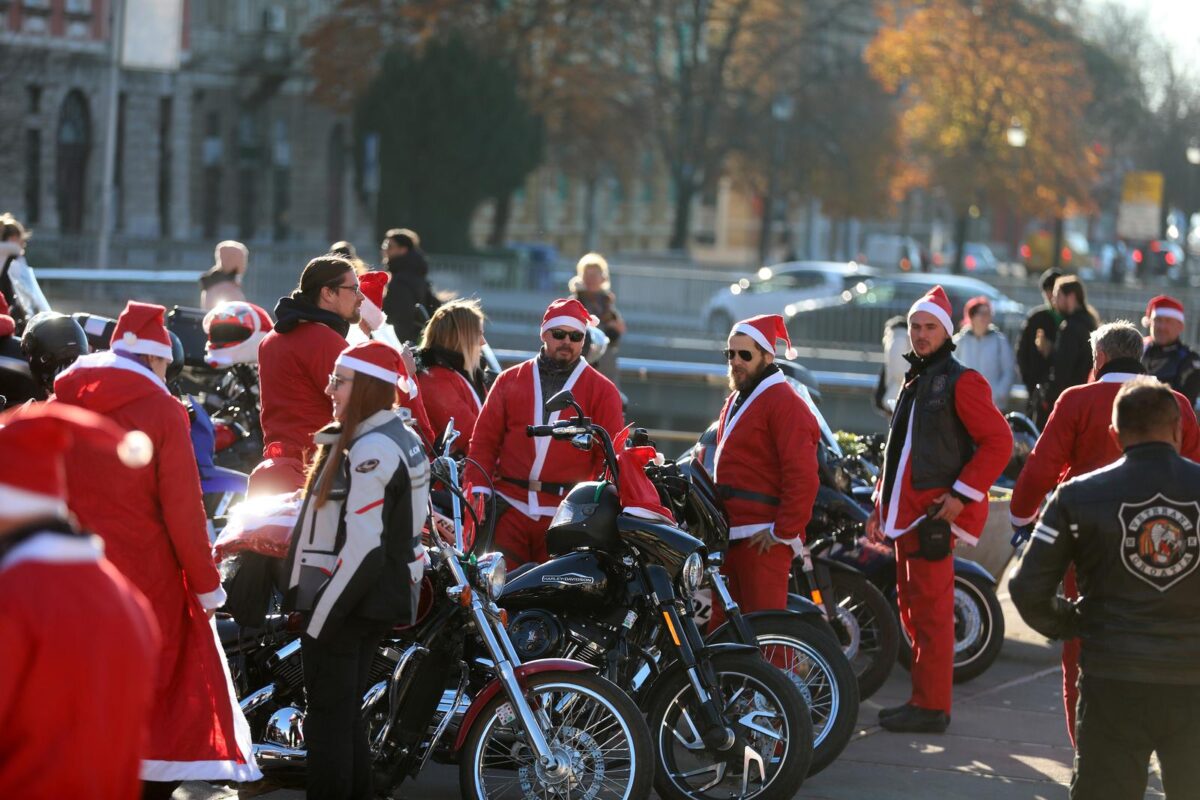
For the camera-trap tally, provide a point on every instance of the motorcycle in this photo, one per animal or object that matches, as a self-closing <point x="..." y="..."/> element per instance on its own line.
<point x="615" y="594"/>
<point x="547" y="728"/>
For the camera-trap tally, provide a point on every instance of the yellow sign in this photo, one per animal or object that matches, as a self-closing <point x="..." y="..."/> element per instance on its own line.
<point x="1142" y="187"/>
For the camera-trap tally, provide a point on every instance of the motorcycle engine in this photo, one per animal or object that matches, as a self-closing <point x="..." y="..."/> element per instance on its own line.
<point x="287" y="668"/>
<point x="539" y="634"/>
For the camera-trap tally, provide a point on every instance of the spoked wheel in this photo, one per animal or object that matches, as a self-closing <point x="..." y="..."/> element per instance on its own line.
<point x="596" y="733"/>
<point x="867" y="629"/>
<point x="772" y="749"/>
<point x="978" y="628"/>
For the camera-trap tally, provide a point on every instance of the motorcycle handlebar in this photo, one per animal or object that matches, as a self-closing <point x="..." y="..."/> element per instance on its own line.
<point x="538" y="430"/>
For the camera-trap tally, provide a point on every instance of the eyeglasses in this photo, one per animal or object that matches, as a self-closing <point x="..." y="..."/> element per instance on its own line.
<point x="744" y="355"/>
<point x="336" y="381"/>
<point x="560" y="334"/>
<point x="354" y="287"/>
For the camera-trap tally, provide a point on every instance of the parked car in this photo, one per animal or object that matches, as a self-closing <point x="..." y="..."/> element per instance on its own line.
<point x="1037" y="252"/>
<point x="776" y="286"/>
<point x="857" y="317"/>
<point x="890" y="252"/>
<point x="1157" y="259"/>
<point x="978" y="259"/>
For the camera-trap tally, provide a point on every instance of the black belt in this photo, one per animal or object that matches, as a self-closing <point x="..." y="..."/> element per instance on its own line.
<point x="726" y="492"/>
<point x="540" y="486"/>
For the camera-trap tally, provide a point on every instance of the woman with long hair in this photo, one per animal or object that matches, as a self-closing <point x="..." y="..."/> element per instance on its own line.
<point x="450" y="378"/>
<point x="593" y="287"/>
<point x="356" y="563"/>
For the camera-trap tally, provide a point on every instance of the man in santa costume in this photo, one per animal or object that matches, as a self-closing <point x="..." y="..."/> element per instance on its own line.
<point x="79" y="643"/>
<point x="1167" y="357"/>
<point x="154" y="529"/>
<point x="765" y="466"/>
<point x="1077" y="440"/>
<point x="946" y="447"/>
<point x="531" y="475"/>
<point x="294" y="362"/>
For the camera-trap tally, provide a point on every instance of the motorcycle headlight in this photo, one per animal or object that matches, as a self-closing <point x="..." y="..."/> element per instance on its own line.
<point x="692" y="572"/>
<point x="491" y="574"/>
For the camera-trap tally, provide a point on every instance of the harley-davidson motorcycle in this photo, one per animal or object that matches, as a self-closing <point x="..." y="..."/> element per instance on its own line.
<point x="550" y="728"/>
<point x="616" y="593"/>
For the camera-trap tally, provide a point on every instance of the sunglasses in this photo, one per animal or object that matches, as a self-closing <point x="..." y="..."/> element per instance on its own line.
<point x="336" y="381"/>
<point x="560" y="334"/>
<point x="744" y="355"/>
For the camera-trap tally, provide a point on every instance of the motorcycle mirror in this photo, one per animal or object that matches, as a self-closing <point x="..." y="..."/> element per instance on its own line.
<point x="582" y="442"/>
<point x="562" y="401"/>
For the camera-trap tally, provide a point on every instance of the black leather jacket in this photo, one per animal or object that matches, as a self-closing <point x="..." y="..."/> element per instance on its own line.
<point x="1176" y="365"/>
<point x="1133" y="531"/>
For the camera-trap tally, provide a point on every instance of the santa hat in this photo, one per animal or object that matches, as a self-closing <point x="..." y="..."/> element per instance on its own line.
<point x="1164" y="306"/>
<point x="372" y="285"/>
<point x="375" y="359"/>
<point x="634" y="488"/>
<point x="566" y="312"/>
<point x="42" y="433"/>
<point x="972" y="304"/>
<point x="765" y="329"/>
<point x="141" y="330"/>
<point x="935" y="302"/>
<point x="8" y="325"/>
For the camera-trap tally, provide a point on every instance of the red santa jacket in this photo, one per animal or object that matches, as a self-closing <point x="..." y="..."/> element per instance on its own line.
<point x="499" y="444"/>
<point x="293" y="371"/>
<point x="448" y="394"/>
<point x="154" y="529"/>
<point x="77" y="677"/>
<point x="769" y="447"/>
<point x="1076" y="440"/>
<point x="993" y="442"/>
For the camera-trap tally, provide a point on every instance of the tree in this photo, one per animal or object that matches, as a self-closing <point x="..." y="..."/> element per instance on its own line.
<point x="453" y="132"/>
<point x="965" y="73"/>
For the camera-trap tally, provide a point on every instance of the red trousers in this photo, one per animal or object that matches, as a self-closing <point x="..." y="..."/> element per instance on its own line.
<point x="520" y="538"/>
<point x="757" y="581"/>
<point x="925" y="591"/>
<point x="1070" y="661"/>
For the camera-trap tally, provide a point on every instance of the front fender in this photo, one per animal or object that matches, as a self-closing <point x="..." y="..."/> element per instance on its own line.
<point x="495" y="686"/>
<point x="964" y="566"/>
<point x="727" y="632"/>
<point x="799" y="604"/>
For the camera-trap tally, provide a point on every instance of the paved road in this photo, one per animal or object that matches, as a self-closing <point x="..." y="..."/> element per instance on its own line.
<point x="1007" y="741"/>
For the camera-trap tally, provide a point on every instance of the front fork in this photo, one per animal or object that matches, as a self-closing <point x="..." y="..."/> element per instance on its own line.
<point x="820" y="585"/>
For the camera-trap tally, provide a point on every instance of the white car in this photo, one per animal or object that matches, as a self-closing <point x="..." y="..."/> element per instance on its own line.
<point x="774" y="288"/>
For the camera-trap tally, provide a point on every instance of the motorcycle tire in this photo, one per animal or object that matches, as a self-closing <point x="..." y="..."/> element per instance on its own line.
<point x="494" y="732"/>
<point x="867" y="628"/>
<point x="978" y="629"/>
<point x="819" y="669"/>
<point x="754" y="683"/>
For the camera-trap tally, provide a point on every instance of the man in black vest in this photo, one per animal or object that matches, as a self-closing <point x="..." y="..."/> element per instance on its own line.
<point x="1167" y="357"/>
<point x="946" y="447"/>
<point x="1132" y="530"/>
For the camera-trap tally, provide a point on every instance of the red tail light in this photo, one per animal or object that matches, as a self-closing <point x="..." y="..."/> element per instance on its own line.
<point x="1026" y="252"/>
<point x="1170" y="259"/>
<point x="969" y="262"/>
<point x="905" y="265"/>
<point x="1137" y="256"/>
<point x="223" y="436"/>
<point x="1066" y="254"/>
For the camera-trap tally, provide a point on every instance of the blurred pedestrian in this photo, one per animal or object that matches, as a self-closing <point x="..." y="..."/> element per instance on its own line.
<point x="410" y="300"/>
<point x="224" y="281"/>
<point x="80" y="642"/>
<point x="593" y="287"/>
<point x="946" y="447"/>
<point x="1033" y="355"/>
<point x="1070" y="351"/>
<point x="1076" y="441"/>
<point x="982" y="347"/>
<point x="1167" y="357"/>
<point x="1130" y="531"/>
<point x="344" y="249"/>
<point x="294" y="362"/>
<point x="155" y="532"/>
<point x="18" y="284"/>
<point x="891" y="374"/>
<point x="450" y="376"/>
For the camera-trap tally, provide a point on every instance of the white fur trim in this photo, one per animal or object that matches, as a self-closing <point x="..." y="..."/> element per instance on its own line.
<point x="1169" y="313"/>
<point x="214" y="599"/>
<point x="50" y="547"/>
<point x="358" y="365"/>
<point x="573" y="323"/>
<point x="371" y="314"/>
<point x="755" y="334"/>
<point x="1021" y="522"/>
<point x="1118" y="377"/>
<point x="108" y="358"/>
<point x="968" y="491"/>
<point x="936" y="310"/>
<point x="730" y="424"/>
<point x="23" y="503"/>
<point x="142" y="347"/>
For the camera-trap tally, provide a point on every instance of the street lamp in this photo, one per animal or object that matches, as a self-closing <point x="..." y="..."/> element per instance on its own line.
<point x="1017" y="136"/>
<point x="782" y="109"/>
<point x="1193" y="153"/>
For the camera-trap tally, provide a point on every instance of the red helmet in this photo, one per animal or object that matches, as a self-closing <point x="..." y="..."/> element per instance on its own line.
<point x="234" y="329"/>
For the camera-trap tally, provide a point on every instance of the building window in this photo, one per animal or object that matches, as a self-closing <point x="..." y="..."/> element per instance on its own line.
<point x="33" y="175"/>
<point x="211" y="155"/>
<point x="33" y="97"/>
<point x="281" y="157"/>
<point x="335" y="182"/>
<point x="248" y="175"/>
<point x="74" y="145"/>
<point x="165" y="108"/>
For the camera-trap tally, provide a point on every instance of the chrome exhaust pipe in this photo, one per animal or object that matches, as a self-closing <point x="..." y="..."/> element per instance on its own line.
<point x="256" y="699"/>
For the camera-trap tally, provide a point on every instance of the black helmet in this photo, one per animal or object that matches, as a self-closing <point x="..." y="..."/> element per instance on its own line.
<point x="177" y="357"/>
<point x="51" y="343"/>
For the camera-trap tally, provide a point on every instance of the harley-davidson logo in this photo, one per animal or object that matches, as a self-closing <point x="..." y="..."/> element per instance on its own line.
<point x="1160" y="543"/>
<point x="570" y="578"/>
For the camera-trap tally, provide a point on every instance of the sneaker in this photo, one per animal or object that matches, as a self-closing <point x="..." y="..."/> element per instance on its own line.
<point x="892" y="711"/>
<point x="916" y="720"/>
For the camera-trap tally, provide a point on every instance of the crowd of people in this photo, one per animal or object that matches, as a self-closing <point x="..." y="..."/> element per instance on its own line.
<point x="103" y="536"/>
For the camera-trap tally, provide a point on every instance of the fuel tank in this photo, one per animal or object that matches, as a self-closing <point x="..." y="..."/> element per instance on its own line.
<point x="577" y="581"/>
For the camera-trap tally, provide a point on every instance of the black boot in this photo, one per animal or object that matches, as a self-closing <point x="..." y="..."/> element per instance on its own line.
<point x="892" y="711"/>
<point x="916" y="720"/>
